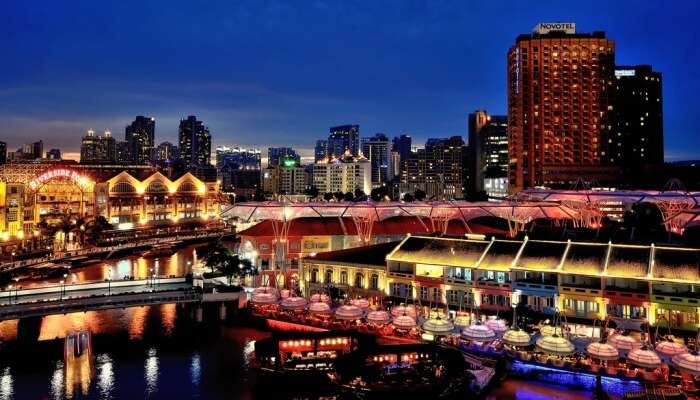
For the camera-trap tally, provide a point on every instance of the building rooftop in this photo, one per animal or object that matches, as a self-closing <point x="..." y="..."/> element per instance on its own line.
<point x="367" y="255"/>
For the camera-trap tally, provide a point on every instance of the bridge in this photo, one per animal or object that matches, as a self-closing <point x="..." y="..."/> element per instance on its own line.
<point x="62" y="299"/>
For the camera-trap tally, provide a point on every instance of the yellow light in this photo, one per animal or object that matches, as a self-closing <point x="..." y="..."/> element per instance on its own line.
<point x="20" y="235"/>
<point x="36" y="233"/>
<point x="5" y="235"/>
<point x="172" y="189"/>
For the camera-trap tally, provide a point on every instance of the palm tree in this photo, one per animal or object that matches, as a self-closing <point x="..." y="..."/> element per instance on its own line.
<point x="215" y="254"/>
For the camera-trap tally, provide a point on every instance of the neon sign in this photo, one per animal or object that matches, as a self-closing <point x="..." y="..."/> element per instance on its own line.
<point x="59" y="173"/>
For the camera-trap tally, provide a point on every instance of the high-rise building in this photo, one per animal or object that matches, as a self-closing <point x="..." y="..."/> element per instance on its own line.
<point x="559" y="105"/>
<point x="436" y="169"/>
<point x="238" y="169"/>
<point x="376" y="150"/>
<point x="53" y="154"/>
<point x="37" y="149"/>
<point x="345" y="174"/>
<point x="3" y="153"/>
<point x="320" y="150"/>
<point x="285" y="178"/>
<point x="488" y="148"/>
<point x="98" y="149"/>
<point x="344" y="138"/>
<point x="240" y="157"/>
<point x="402" y="145"/>
<point x="637" y="140"/>
<point x="195" y="142"/>
<point x="140" y="135"/>
<point x="166" y="151"/>
<point x="275" y="154"/>
<point x="122" y="152"/>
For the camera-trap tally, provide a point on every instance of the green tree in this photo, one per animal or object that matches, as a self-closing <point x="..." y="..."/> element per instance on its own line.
<point x="419" y="195"/>
<point x="328" y="196"/>
<point x="339" y="196"/>
<point x="215" y="254"/>
<point x="312" y="192"/>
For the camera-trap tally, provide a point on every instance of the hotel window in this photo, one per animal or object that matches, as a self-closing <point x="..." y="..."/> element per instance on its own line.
<point x="344" y="277"/>
<point x="424" y="293"/>
<point x="359" y="280"/>
<point x="329" y="276"/>
<point x="314" y="275"/>
<point x="374" y="282"/>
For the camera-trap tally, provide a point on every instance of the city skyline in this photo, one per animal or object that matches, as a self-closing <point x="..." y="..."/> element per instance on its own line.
<point x="257" y="104"/>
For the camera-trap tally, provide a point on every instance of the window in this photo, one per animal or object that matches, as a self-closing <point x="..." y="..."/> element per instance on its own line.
<point x="423" y="293"/>
<point x="329" y="276"/>
<point x="314" y="275"/>
<point x="359" y="280"/>
<point x="374" y="282"/>
<point x="123" y="187"/>
<point x="344" y="277"/>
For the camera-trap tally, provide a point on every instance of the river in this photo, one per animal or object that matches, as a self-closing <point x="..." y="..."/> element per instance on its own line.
<point x="156" y="352"/>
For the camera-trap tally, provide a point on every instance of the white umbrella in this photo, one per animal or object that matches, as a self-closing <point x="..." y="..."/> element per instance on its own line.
<point x="438" y="326"/>
<point x="517" y="337"/>
<point x="403" y="310"/>
<point x="404" y="322"/>
<point x="669" y="349"/>
<point x="602" y="351"/>
<point x="294" y="303"/>
<point x="284" y="293"/>
<point x="348" y="312"/>
<point x="462" y="321"/>
<point x="547" y="330"/>
<point x="362" y="303"/>
<point x="644" y="358"/>
<point x="478" y="333"/>
<point x="315" y="298"/>
<point x="497" y="325"/>
<point x="265" y="289"/>
<point x="624" y="342"/>
<point x="556" y="345"/>
<point x="319" y="308"/>
<point x="687" y="362"/>
<point x="264" y="298"/>
<point x="378" y="317"/>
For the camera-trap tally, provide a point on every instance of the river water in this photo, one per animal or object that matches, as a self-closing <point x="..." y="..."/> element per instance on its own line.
<point x="157" y="352"/>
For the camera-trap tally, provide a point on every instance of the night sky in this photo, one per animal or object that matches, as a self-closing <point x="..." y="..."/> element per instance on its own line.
<point x="263" y="73"/>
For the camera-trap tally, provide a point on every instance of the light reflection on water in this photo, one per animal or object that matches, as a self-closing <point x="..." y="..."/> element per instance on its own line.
<point x="151" y="372"/>
<point x="57" y="381"/>
<point x="6" y="384"/>
<point x="105" y="376"/>
<point x="196" y="370"/>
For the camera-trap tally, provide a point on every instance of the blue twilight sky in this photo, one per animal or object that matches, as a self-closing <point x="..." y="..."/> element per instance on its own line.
<point x="263" y="73"/>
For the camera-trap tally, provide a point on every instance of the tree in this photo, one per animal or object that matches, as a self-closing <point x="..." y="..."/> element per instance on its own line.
<point x="233" y="266"/>
<point x="339" y="196"/>
<point x="328" y="196"/>
<point x="312" y="192"/>
<point x="378" y="194"/>
<point x="259" y="195"/>
<point x="407" y="197"/>
<point x="360" y="195"/>
<point x="215" y="254"/>
<point x="419" y="195"/>
<point x="348" y="196"/>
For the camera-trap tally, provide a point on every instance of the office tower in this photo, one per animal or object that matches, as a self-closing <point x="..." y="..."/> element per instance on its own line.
<point x="488" y="148"/>
<point x="98" y="149"/>
<point x="122" y="152"/>
<point x="320" y="150"/>
<point x="376" y="150"/>
<point x="53" y="154"/>
<point x="275" y="154"/>
<point x="242" y="158"/>
<point x="286" y="178"/>
<point x="402" y="145"/>
<point x="342" y="138"/>
<point x="195" y="142"/>
<point x="37" y="149"/>
<point x="238" y="169"/>
<point x="559" y="104"/>
<point x="637" y="140"/>
<point x="166" y="151"/>
<point x="3" y="153"/>
<point x="435" y="169"/>
<point x="140" y="135"/>
<point x="343" y="174"/>
<point x="394" y="164"/>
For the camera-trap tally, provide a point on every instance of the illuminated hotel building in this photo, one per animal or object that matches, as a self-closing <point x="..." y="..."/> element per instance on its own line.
<point x="343" y="174"/>
<point x="34" y="192"/>
<point x="559" y="107"/>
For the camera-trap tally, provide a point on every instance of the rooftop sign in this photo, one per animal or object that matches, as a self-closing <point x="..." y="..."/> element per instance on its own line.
<point x="547" y="27"/>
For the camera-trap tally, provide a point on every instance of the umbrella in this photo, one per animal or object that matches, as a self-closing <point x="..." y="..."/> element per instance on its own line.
<point x="462" y="320"/>
<point x="624" y="342"/>
<point x="478" y="333"/>
<point x="294" y="303"/>
<point x="497" y="325"/>
<point x="362" y="303"/>
<point x="438" y="326"/>
<point x="315" y="298"/>
<point x="319" y="308"/>
<point x="556" y="345"/>
<point x="644" y="358"/>
<point x="403" y="310"/>
<point x="404" y="322"/>
<point x="602" y="351"/>
<point x="687" y="362"/>
<point x="378" y="317"/>
<point x="547" y="330"/>
<point x="284" y="293"/>
<point x="516" y="337"/>
<point x="669" y="349"/>
<point x="265" y="289"/>
<point x="264" y="298"/>
<point x="348" y="312"/>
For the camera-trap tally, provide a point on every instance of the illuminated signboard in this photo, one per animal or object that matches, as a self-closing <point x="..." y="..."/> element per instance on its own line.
<point x="625" y="72"/>
<point x="289" y="163"/>
<point x="59" y="173"/>
<point x="546" y="27"/>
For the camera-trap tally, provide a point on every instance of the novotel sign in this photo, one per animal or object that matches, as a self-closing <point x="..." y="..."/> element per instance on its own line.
<point x="59" y="173"/>
<point x="546" y="27"/>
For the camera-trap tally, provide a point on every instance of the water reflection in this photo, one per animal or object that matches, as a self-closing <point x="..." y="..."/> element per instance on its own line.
<point x="57" y="381"/>
<point x="151" y="372"/>
<point x="6" y="384"/>
<point x="105" y="376"/>
<point x="195" y="371"/>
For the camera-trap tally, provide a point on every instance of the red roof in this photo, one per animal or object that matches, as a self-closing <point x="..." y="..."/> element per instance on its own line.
<point x="397" y="226"/>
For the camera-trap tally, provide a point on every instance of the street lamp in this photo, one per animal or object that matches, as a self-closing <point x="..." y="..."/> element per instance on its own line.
<point x="9" y="289"/>
<point x="12" y="258"/>
<point x="63" y="286"/>
<point x="151" y="280"/>
<point x="16" y="290"/>
<point x="109" y="281"/>
<point x="156" y="275"/>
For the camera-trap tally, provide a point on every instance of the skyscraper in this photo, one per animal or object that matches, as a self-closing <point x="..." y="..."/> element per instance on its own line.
<point x="488" y="148"/>
<point x="166" y="151"/>
<point x="98" y="149"/>
<point x="559" y="103"/>
<point x="195" y="142"/>
<point x="320" y="150"/>
<point x="238" y="169"/>
<point x="53" y="154"/>
<point x="436" y="169"/>
<point x="3" y="153"/>
<point x="342" y="138"/>
<point x="275" y="154"/>
<point x="402" y="145"/>
<point x="376" y="150"/>
<point x="637" y="139"/>
<point x="140" y="135"/>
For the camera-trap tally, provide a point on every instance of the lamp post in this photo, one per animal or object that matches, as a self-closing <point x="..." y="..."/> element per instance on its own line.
<point x="62" y="288"/>
<point x="12" y="257"/>
<point x="9" y="289"/>
<point x="16" y="290"/>
<point x="155" y="278"/>
<point x="151" y="279"/>
<point x="109" y="281"/>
